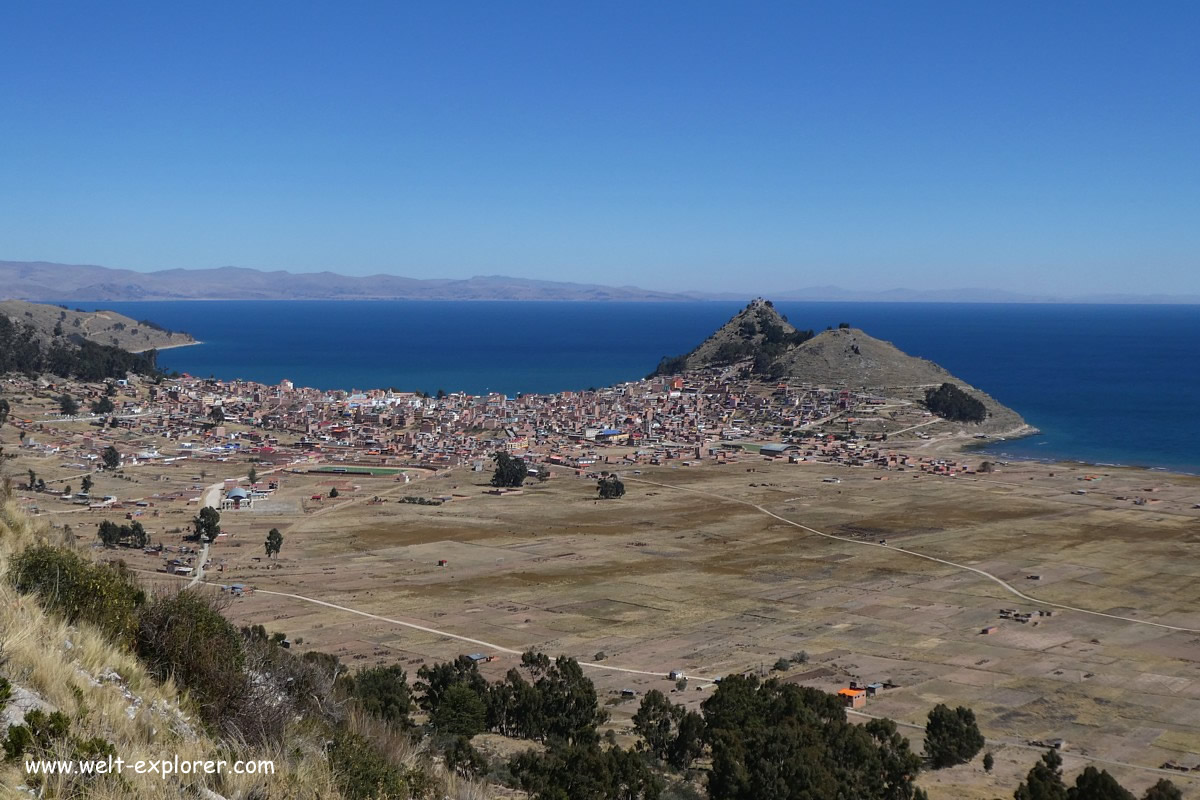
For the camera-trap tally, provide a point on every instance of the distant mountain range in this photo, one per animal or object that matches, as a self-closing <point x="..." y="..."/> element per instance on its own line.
<point x="42" y="281"/>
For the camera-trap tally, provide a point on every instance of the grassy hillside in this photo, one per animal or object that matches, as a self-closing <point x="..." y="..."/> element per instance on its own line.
<point x="77" y="688"/>
<point x="101" y="327"/>
<point x="764" y="344"/>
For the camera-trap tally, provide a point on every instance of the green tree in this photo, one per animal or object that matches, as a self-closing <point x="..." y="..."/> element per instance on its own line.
<point x="103" y="406"/>
<point x="252" y="476"/>
<point x="951" y="736"/>
<point x="333" y="492"/>
<point x="383" y="692"/>
<point x="776" y="741"/>
<point x="689" y="740"/>
<point x="610" y="487"/>
<point x="1163" y="790"/>
<point x="109" y="533"/>
<point x="68" y="406"/>
<point x="1044" y="781"/>
<point x="585" y="772"/>
<point x="32" y="478"/>
<point x="111" y="457"/>
<point x="989" y="761"/>
<point x="273" y="543"/>
<point x="86" y="484"/>
<point x="435" y="680"/>
<point x="136" y="536"/>
<point x="216" y="414"/>
<point x="655" y="722"/>
<point x="5" y="410"/>
<point x="1094" y="784"/>
<point x="206" y="525"/>
<point x="461" y="712"/>
<point x="510" y="471"/>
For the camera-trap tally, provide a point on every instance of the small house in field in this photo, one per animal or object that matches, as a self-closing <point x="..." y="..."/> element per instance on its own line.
<point x="853" y="698"/>
<point x="237" y="498"/>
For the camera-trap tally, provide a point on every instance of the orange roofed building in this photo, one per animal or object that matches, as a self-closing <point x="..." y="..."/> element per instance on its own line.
<point x="853" y="698"/>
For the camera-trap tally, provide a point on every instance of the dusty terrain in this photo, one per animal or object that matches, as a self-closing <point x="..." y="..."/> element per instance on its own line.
<point x="689" y="572"/>
<point x="669" y="579"/>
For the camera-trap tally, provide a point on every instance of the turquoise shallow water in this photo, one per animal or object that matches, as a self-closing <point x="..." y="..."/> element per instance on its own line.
<point x="1106" y="384"/>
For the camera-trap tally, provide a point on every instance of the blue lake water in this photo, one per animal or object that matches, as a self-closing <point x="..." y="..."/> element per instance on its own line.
<point x="1106" y="384"/>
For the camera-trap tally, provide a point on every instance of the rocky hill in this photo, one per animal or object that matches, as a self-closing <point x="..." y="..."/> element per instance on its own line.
<point x="759" y="340"/>
<point x="102" y="327"/>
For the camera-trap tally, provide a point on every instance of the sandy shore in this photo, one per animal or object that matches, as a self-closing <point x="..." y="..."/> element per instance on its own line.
<point x="167" y="346"/>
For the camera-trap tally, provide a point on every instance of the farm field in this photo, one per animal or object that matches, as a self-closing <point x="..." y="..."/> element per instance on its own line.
<point x="682" y="574"/>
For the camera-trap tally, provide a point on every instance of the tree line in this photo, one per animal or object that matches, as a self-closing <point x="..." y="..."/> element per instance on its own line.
<point x="22" y="350"/>
<point x="952" y="403"/>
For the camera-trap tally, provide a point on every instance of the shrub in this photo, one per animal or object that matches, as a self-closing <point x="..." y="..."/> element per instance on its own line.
<point x="464" y="759"/>
<point x="362" y="772"/>
<point x="105" y="595"/>
<point x="382" y="692"/>
<point x="184" y="636"/>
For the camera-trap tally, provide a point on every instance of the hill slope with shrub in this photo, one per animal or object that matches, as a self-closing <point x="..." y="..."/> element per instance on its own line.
<point x="766" y="345"/>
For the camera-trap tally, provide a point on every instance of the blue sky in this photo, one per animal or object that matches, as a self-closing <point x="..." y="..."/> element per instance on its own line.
<point x="1028" y="146"/>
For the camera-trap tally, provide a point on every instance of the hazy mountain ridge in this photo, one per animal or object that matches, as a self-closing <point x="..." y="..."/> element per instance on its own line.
<point x="48" y="281"/>
<point x="78" y="283"/>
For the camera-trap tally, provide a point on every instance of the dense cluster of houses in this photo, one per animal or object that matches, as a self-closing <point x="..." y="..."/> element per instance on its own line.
<point x="684" y="420"/>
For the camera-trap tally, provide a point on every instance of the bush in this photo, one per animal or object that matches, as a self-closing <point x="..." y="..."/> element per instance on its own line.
<point x="362" y="772"/>
<point x="184" y="636"/>
<point x="464" y="759"/>
<point x="104" y="595"/>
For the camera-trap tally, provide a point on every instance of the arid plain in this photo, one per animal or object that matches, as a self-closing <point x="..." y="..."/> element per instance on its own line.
<point x="689" y="572"/>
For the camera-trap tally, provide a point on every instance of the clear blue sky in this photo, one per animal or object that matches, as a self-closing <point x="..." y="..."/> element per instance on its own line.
<point x="1050" y="146"/>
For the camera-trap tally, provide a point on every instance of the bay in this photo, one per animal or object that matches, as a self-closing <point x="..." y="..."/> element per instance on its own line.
<point x="1107" y="384"/>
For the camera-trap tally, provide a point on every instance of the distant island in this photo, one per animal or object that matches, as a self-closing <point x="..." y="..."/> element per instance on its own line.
<point x="50" y="282"/>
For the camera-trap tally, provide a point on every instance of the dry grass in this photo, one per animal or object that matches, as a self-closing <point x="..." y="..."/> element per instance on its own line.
<point x="107" y="693"/>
